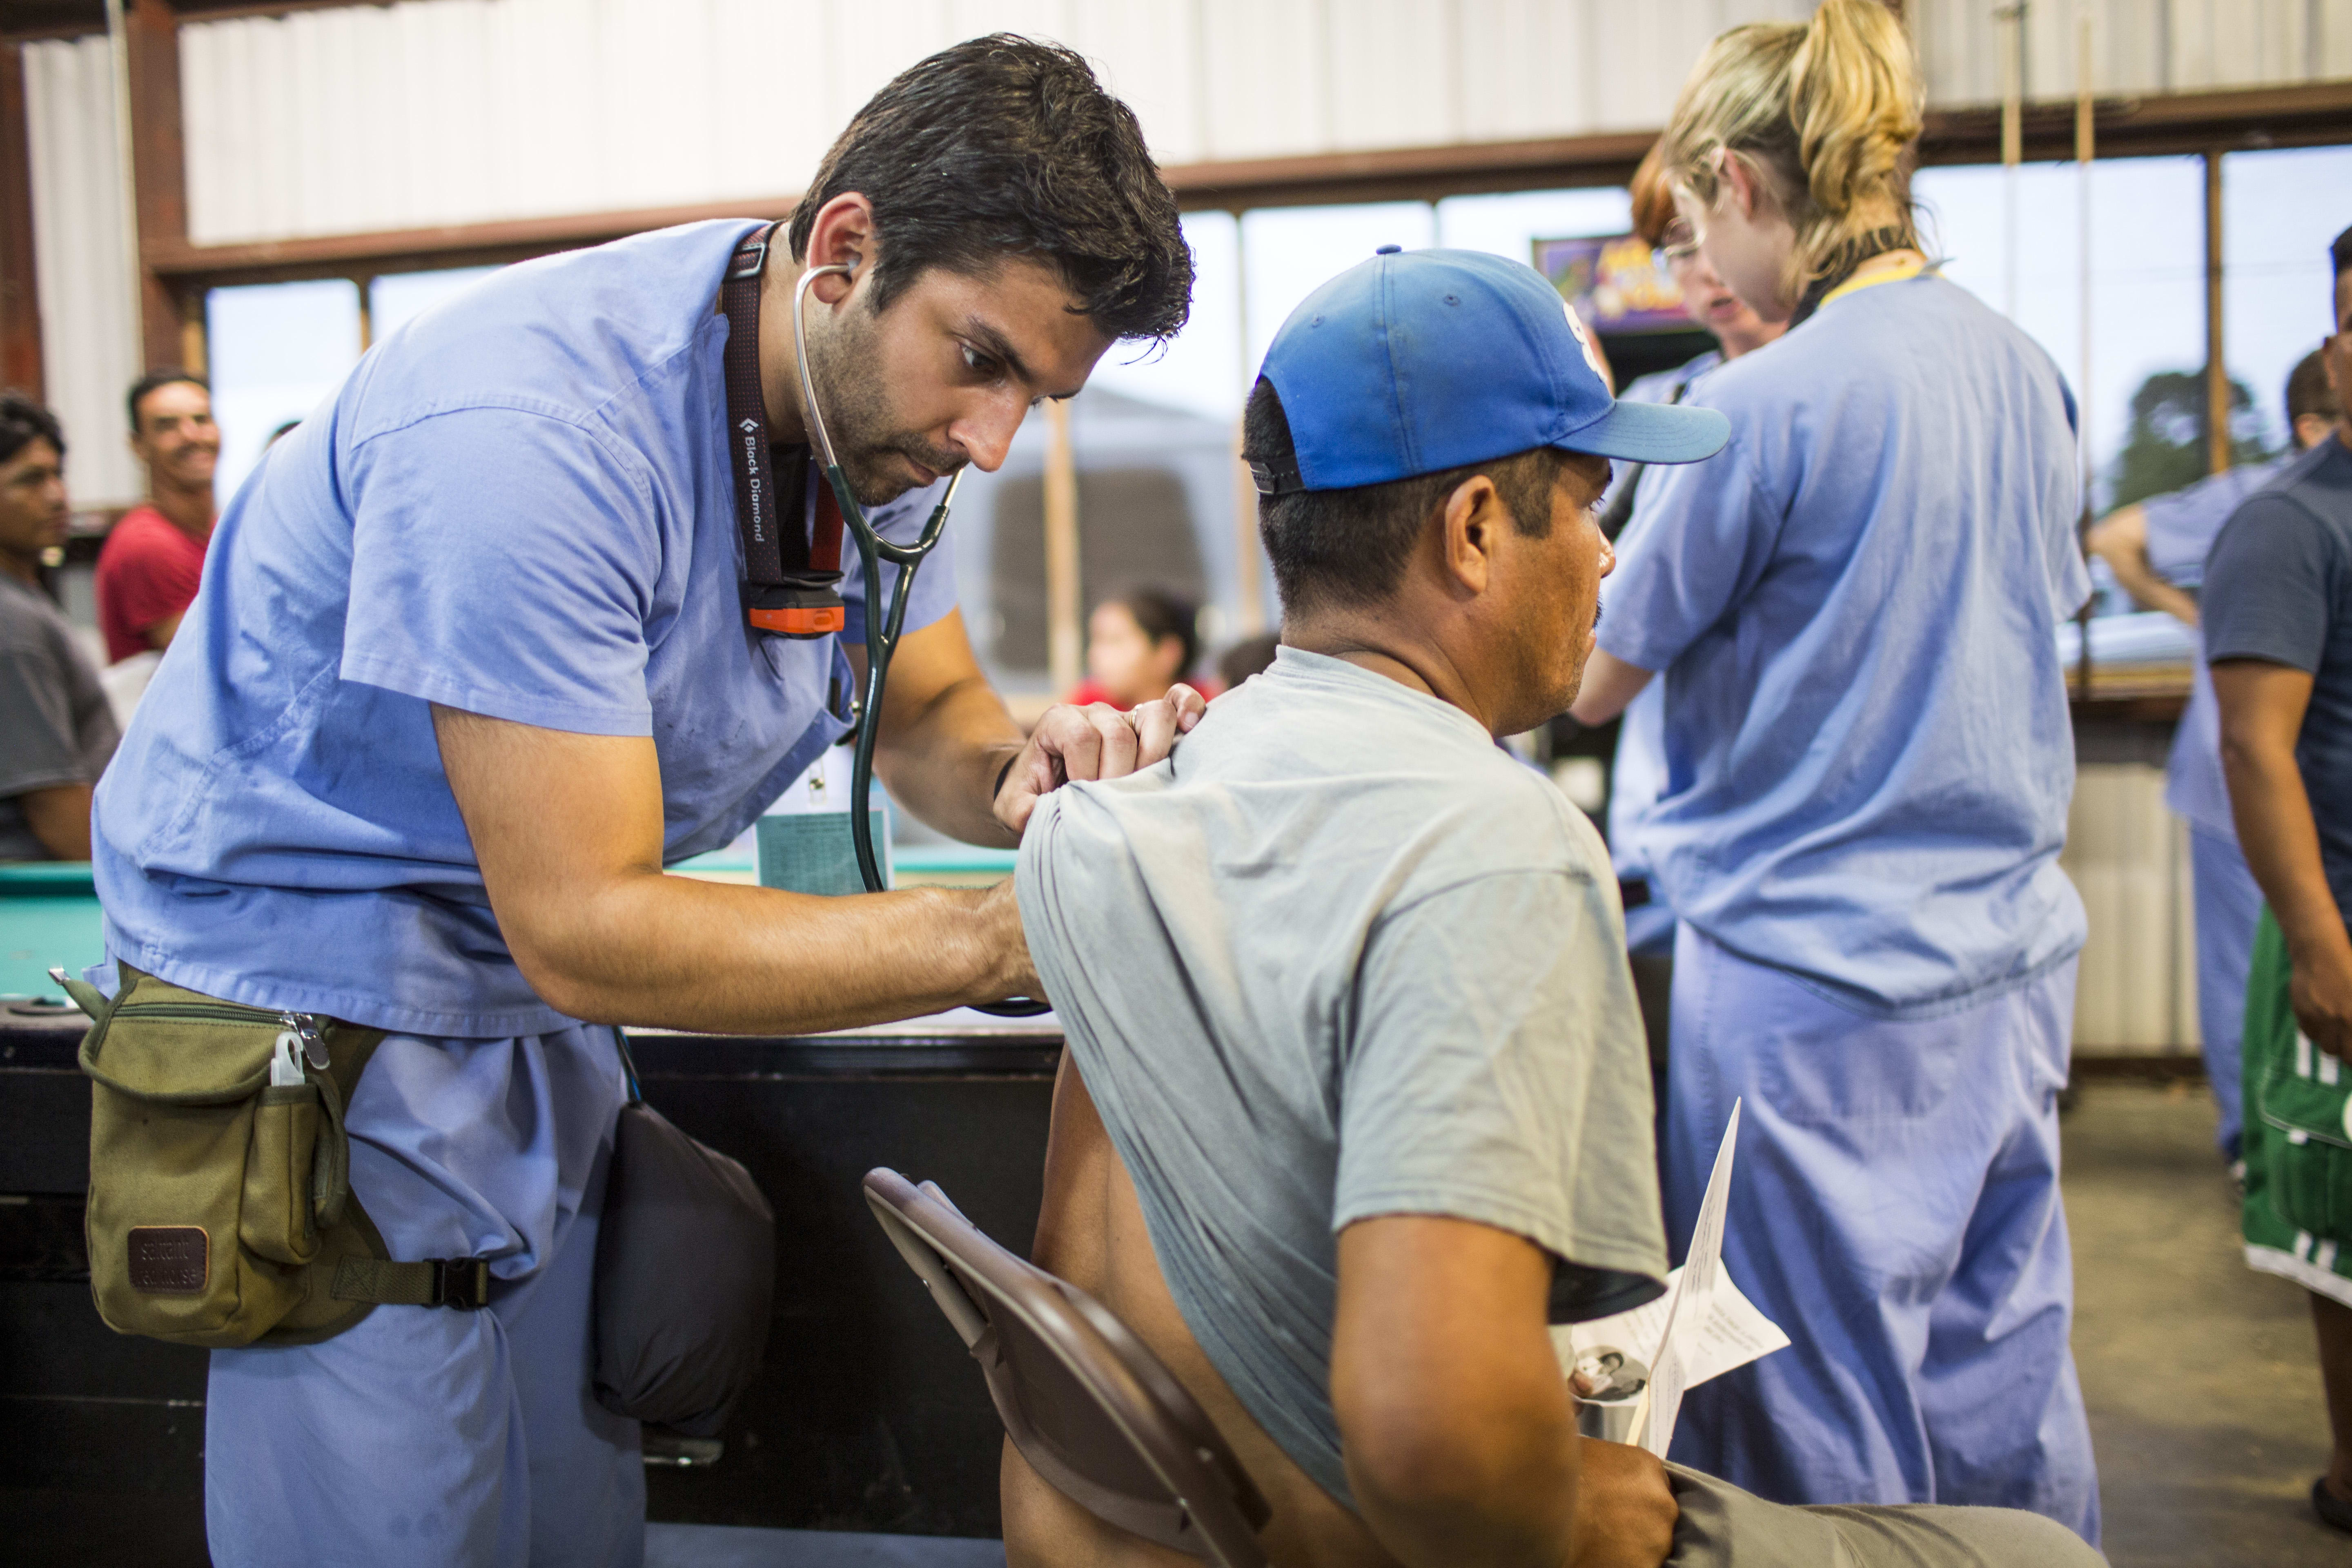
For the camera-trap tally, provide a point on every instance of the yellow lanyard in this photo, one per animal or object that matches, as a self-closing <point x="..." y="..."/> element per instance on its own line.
<point x="1901" y="271"/>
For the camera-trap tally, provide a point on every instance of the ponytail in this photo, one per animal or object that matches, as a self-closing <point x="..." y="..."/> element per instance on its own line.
<point x="1827" y="111"/>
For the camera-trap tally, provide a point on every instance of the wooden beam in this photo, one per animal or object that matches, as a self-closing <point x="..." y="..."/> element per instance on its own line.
<point x="414" y="249"/>
<point x="2217" y="372"/>
<point x="1065" y="634"/>
<point x="2305" y="115"/>
<point x="159" y="169"/>
<point x="2315" y="114"/>
<point x="20" y="300"/>
<point x="21" y="19"/>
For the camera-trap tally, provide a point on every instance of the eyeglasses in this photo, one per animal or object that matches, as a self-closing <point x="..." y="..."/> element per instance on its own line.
<point x="1680" y="247"/>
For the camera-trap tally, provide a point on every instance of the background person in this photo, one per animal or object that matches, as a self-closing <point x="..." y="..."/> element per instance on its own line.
<point x="490" y="672"/>
<point x="1638" y="774"/>
<point x="153" y="558"/>
<point x="2277" y="612"/>
<point x="1857" y="611"/>
<point x="2157" y="548"/>
<point x="1251" y="656"/>
<point x="1138" y="645"/>
<point x="57" y="729"/>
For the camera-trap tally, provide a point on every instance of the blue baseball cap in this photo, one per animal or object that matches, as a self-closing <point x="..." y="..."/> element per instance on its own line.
<point x="1416" y="361"/>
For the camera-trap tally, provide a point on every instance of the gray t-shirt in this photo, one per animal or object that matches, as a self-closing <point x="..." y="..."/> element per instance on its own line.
<point x="1340" y="956"/>
<point x="55" y="726"/>
<point x="2278" y="587"/>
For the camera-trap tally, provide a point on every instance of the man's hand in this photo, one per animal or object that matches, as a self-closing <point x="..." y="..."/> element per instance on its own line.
<point x="2321" y="994"/>
<point x="1625" y="1512"/>
<point x="1097" y="741"/>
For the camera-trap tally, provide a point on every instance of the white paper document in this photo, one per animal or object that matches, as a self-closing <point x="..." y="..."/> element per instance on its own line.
<point x="1700" y="1329"/>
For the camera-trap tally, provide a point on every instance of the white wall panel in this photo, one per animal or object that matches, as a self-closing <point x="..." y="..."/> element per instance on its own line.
<point x="434" y="111"/>
<point x="2136" y="989"/>
<point x="1528" y="69"/>
<point x="89" y="348"/>
<point x="1399" y="78"/>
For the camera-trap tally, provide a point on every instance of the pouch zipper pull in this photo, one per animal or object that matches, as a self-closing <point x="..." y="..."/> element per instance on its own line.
<point x="306" y="1030"/>
<point x="285" y="1064"/>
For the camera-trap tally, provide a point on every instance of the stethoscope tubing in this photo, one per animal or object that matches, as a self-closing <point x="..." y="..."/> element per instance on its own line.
<point x="882" y="628"/>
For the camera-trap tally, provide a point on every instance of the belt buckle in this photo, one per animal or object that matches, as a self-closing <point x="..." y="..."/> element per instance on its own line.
<point x="463" y="1283"/>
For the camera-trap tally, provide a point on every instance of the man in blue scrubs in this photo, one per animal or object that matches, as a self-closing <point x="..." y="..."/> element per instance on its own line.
<point x="2157" y="548"/>
<point x="471" y="665"/>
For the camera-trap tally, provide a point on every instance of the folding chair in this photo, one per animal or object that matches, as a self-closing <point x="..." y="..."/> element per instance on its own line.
<point x="1083" y="1399"/>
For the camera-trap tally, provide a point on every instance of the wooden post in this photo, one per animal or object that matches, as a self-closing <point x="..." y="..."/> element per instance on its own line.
<point x="2217" y="369"/>
<point x="2013" y="145"/>
<point x="20" y="300"/>
<point x="1065" y="655"/>
<point x="2085" y="153"/>
<point x="158" y="174"/>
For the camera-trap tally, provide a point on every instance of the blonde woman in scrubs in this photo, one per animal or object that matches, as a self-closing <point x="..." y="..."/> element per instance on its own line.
<point x="1869" y="762"/>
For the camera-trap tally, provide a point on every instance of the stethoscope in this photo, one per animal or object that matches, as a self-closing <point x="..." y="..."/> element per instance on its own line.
<point x="881" y="629"/>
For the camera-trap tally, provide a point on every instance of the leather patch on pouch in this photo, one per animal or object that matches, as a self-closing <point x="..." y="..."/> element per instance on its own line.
<point x="170" y="1259"/>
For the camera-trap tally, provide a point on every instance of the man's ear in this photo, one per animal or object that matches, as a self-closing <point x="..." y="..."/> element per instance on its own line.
<point x="1467" y="529"/>
<point x="842" y="235"/>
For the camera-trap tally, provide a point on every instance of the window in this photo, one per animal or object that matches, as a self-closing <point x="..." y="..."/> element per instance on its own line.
<point x="276" y="351"/>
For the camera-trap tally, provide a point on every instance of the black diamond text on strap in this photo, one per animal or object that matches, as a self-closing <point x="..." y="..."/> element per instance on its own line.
<point x="756" y="511"/>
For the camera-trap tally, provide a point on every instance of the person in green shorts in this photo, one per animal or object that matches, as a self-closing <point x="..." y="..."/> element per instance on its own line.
<point x="2277" y="610"/>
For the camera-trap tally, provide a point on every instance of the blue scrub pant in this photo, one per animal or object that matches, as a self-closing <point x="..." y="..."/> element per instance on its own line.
<point x="427" y="1435"/>
<point x="2229" y="904"/>
<point x="1894" y="1208"/>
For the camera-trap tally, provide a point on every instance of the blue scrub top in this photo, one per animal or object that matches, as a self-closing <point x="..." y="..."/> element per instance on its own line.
<point x="2182" y="528"/>
<point x="1638" y="775"/>
<point x="520" y="505"/>
<point x="1868" y="753"/>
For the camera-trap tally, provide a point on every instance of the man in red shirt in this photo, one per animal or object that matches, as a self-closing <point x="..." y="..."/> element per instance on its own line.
<point x="148" y="571"/>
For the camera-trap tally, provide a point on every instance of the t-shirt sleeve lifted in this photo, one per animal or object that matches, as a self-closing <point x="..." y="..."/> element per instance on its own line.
<point x="2269" y="584"/>
<point x="1492" y="1076"/>
<point x="502" y="562"/>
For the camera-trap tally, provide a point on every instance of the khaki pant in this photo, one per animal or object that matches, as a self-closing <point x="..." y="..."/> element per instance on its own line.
<point x="1723" y="1527"/>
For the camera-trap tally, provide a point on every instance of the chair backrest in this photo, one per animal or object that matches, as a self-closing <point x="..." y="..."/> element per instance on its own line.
<point x="1086" y="1403"/>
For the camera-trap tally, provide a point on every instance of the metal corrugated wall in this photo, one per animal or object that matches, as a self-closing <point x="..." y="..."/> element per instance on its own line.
<point x="89" y="348"/>
<point x="456" y="111"/>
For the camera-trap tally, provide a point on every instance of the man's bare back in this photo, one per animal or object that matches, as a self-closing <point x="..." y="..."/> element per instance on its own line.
<point x="1091" y="1233"/>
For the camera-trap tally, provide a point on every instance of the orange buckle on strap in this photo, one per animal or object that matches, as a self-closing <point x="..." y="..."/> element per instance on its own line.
<point x="800" y="620"/>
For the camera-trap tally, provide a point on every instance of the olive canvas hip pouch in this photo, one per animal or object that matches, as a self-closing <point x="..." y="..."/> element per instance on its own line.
<point x="220" y="1210"/>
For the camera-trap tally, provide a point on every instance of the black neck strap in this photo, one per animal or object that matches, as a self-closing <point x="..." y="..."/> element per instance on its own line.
<point x="794" y="579"/>
<point x="1843" y="265"/>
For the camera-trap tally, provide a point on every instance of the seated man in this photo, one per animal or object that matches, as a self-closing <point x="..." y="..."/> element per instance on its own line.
<point x="56" y="732"/>
<point x="1356" y="1100"/>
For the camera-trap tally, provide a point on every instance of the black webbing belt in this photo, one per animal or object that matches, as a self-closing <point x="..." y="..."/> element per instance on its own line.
<point x="795" y="580"/>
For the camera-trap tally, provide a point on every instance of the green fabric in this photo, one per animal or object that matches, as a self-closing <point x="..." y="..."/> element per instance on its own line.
<point x="2297" y="1217"/>
<point x="220" y="1207"/>
<point x="387" y="1284"/>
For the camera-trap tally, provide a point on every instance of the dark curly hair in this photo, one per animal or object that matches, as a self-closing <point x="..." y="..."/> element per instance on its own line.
<point x="1005" y="146"/>
<point x="23" y="421"/>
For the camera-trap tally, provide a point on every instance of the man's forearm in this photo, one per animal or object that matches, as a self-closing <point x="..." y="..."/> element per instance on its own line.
<point x="676" y="953"/>
<point x="59" y="819"/>
<point x="943" y="760"/>
<point x="2280" y="841"/>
